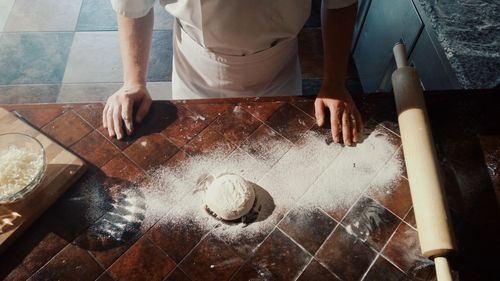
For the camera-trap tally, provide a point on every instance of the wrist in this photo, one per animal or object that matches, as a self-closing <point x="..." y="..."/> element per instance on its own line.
<point x="332" y="84"/>
<point x="134" y="84"/>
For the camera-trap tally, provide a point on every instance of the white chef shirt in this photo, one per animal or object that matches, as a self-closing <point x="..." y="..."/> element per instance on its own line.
<point x="233" y="27"/>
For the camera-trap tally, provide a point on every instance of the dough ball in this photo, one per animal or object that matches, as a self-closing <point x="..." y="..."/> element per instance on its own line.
<point x="230" y="196"/>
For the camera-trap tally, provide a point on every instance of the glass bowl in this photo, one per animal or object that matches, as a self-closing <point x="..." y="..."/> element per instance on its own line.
<point x="11" y="145"/>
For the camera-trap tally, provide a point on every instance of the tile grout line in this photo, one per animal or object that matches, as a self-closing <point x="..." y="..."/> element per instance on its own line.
<point x="78" y="17"/>
<point x="311" y="257"/>
<point x="379" y="253"/>
<point x="363" y="193"/>
<point x="377" y="201"/>
<point x="387" y="243"/>
<point x="341" y="224"/>
<point x="321" y="246"/>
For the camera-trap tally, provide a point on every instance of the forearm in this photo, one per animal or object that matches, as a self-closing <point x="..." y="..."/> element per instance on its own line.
<point x="337" y="28"/>
<point x="135" y="43"/>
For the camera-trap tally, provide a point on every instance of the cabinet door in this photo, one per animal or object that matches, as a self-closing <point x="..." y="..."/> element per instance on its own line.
<point x="362" y="10"/>
<point x="429" y="65"/>
<point x="386" y="22"/>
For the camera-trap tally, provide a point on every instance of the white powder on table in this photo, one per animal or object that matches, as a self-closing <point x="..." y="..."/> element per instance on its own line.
<point x="311" y="175"/>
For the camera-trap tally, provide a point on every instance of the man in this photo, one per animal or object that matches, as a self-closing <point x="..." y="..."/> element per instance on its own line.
<point x="231" y="48"/>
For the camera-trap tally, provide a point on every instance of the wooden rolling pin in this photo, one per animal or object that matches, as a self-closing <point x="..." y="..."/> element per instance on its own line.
<point x="433" y="221"/>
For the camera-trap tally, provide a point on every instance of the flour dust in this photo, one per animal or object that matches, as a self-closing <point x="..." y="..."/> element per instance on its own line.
<point x="311" y="175"/>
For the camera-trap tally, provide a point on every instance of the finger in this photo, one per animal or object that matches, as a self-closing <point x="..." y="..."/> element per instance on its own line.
<point x="319" y="111"/>
<point x="358" y="126"/>
<point x="127" y="109"/>
<point x="109" y="121"/>
<point x="346" y="127"/>
<point x="143" y="109"/>
<point x="117" y="122"/>
<point x="335" y="116"/>
<point x="104" y="117"/>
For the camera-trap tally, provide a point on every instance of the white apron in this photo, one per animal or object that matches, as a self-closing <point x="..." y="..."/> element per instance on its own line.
<point x="200" y="73"/>
<point x="233" y="48"/>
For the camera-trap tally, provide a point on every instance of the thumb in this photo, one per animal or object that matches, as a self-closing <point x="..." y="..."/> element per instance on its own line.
<point x="319" y="110"/>
<point x="143" y="109"/>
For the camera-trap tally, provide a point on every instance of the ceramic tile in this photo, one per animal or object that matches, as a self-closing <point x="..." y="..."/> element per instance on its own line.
<point x="34" y="248"/>
<point x="352" y="161"/>
<point x="42" y="116"/>
<point x="345" y="255"/>
<point x="290" y="122"/>
<point x="151" y="151"/>
<point x="91" y="92"/>
<point x="404" y="251"/>
<point x="410" y="218"/>
<point x="94" y="57"/>
<point x="306" y="105"/>
<point x="395" y="196"/>
<point x="43" y="15"/>
<point x="105" y="277"/>
<point x="384" y="270"/>
<point x="5" y="8"/>
<point x="95" y="149"/>
<point x="370" y="222"/>
<point x="98" y="15"/>
<point x="70" y="262"/>
<point x="160" y="116"/>
<point x="247" y="166"/>
<point x="83" y="203"/>
<point x="160" y="90"/>
<point x="122" y="224"/>
<point x="143" y="261"/>
<point x="278" y="258"/>
<point x="246" y="246"/>
<point x="122" y="169"/>
<point x="163" y="19"/>
<point x="261" y="110"/>
<point x="177" y="275"/>
<point x="176" y="239"/>
<point x="209" y="141"/>
<point x="185" y="126"/>
<point x="212" y="259"/>
<point x="315" y="17"/>
<point x="315" y="271"/>
<point x="18" y="273"/>
<point x="92" y="113"/>
<point x="311" y="87"/>
<point x="208" y="111"/>
<point x="67" y="129"/>
<point x="34" y="58"/>
<point x="235" y="125"/>
<point x="29" y="93"/>
<point x="308" y="229"/>
<point x="178" y="159"/>
<point x="160" y="57"/>
<point x="266" y="145"/>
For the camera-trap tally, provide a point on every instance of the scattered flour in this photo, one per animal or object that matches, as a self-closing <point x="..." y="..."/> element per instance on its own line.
<point x="311" y="174"/>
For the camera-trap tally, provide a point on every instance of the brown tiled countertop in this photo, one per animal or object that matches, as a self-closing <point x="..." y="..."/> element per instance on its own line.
<point x="466" y="128"/>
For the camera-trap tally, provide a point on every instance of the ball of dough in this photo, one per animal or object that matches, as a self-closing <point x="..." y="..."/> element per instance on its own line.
<point x="230" y="196"/>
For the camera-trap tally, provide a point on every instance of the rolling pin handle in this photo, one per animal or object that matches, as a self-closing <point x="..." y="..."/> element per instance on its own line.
<point x="399" y="50"/>
<point x="443" y="272"/>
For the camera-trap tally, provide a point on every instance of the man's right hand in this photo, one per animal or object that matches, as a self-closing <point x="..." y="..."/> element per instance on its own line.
<point x="120" y="106"/>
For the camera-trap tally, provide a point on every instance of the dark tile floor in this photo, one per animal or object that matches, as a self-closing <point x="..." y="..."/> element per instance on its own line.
<point x="62" y="245"/>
